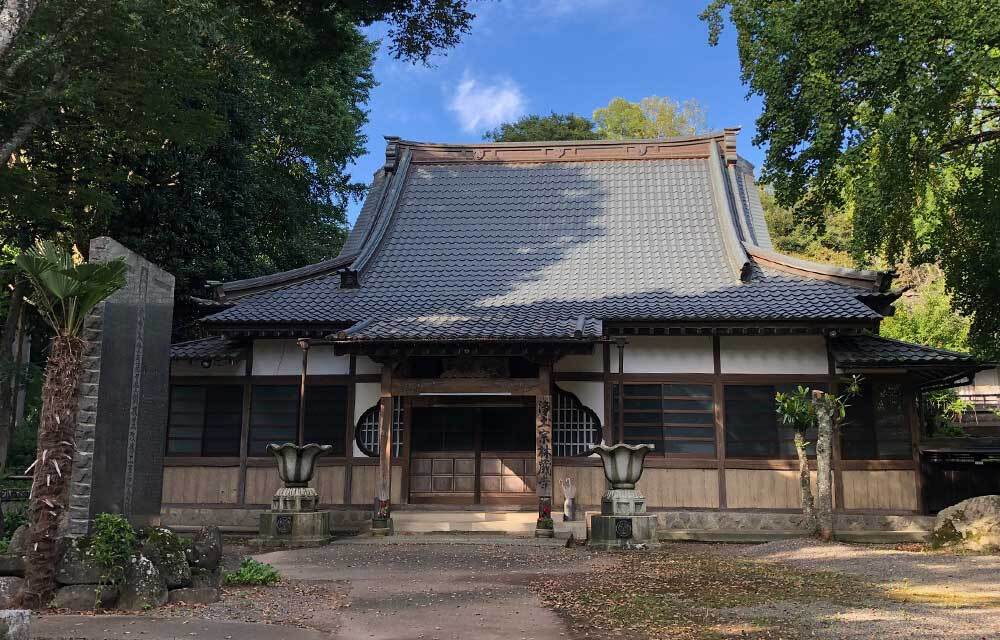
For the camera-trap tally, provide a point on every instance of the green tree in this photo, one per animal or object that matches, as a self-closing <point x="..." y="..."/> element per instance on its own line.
<point x="895" y="107"/>
<point x="555" y="126"/>
<point x="927" y="317"/>
<point x="64" y="292"/>
<point x="651" y="117"/>
<point x="826" y="240"/>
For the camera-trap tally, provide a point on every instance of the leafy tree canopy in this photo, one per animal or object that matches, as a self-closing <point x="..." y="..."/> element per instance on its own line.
<point x="555" y="126"/>
<point x="210" y="136"/>
<point x="894" y="107"/>
<point x="651" y="117"/>
<point x="926" y="316"/>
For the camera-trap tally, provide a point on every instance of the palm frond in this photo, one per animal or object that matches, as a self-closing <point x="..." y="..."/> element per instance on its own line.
<point x="64" y="292"/>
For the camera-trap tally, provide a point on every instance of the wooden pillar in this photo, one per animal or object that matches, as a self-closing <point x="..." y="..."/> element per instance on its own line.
<point x="384" y="481"/>
<point x="543" y="445"/>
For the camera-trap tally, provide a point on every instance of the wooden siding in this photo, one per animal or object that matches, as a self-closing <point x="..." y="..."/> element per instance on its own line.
<point x="201" y="485"/>
<point x="363" y="478"/>
<point x="763" y="489"/>
<point x="880" y="490"/>
<point x="329" y="482"/>
<point x="589" y="483"/>
<point x="680" y="488"/>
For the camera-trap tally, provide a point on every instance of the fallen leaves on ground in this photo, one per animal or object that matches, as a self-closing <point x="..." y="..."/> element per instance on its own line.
<point x="684" y="593"/>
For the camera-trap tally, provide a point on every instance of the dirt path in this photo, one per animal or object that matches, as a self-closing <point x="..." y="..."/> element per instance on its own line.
<point x="444" y="591"/>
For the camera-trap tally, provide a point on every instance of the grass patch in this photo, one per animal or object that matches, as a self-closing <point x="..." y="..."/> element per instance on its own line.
<point x="947" y="598"/>
<point x="252" y="572"/>
<point x="685" y="594"/>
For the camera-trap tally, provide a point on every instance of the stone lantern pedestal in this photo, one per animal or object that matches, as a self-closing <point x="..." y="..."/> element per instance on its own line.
<point x="623" y="522"/>
<point x="294" y="519"/>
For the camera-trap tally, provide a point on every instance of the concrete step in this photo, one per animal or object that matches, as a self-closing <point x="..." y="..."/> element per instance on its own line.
<point x="470" y="521"/>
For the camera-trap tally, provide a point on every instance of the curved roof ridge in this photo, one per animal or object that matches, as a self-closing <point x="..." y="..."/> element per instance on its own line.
<point x="863" y="278"/>
<point x="235" y="289"/>
<point x="699" y="137"/>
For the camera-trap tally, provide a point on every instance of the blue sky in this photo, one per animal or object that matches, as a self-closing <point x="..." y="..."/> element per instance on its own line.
<point x="537" y="56"/>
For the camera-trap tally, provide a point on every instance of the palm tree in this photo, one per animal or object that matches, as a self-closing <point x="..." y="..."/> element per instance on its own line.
<point x="64" y="291"/>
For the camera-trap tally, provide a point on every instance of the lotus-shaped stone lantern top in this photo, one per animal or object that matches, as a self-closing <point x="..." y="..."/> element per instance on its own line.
<point x="623" y="463"/>
<point x="296" y="463"/>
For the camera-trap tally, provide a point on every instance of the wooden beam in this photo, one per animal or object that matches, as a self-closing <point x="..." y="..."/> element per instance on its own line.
<point x="417" y="386"/>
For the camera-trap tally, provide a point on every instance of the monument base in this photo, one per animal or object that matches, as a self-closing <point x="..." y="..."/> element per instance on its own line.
<point x="382" y="527"/>
<point x="294" y="528"/>
<point x="622" y="531"/>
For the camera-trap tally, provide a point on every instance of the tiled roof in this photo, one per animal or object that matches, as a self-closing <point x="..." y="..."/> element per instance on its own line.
<point x="460" y="249"/>
<point x="871" y="350"/>
<point x="213" y="347"/>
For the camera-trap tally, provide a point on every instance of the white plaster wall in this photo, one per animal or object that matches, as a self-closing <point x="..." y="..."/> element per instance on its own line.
<point x="365" y="365"/>
<point x="666" y="354"/>
<point x="591" y="362"/>
<point x="985" y="382"/>
<point x="774" y="354"/>
<point x="323" y="362"/>
<point x="276" y="358"/>
<point x="366" y="394"/>
<point x="188" y="368"/>
<point x="591" y="394"/>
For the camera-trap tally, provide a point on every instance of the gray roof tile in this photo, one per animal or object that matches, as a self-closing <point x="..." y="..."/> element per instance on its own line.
<point x="502" y="250"/>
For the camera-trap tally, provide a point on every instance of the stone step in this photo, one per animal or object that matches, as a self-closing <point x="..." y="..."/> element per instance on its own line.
<point x="468" y="521"/>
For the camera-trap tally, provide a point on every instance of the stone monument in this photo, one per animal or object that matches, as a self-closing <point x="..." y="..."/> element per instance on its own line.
<point x="623" y="522"/>
<point x="294" y="518"/>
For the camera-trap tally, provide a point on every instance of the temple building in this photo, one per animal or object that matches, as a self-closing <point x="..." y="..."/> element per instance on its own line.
<point x="500" y="308"/>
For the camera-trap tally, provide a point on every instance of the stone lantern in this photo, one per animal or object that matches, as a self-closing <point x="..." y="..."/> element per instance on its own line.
<point x="294" y="518"/>
<point x="623" y="522"/>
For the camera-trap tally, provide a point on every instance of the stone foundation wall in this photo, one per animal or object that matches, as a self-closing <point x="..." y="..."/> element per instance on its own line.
<point x="240" y="519"/>
<point x="782" y="522"/>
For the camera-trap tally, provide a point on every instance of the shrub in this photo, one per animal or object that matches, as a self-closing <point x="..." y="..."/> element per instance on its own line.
<point x="252" y="572"/>
<point x="112" y="545"/>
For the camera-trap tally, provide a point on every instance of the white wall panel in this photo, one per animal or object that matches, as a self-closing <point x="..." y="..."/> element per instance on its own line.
<point x="276" y="358"/>
<point x="591" y="362"/>
<point x="666" y="354"/>
<point x="774" y="354"/>
<point x="188" y="368"/>
<point x="323" y="362"/>
<point x="365" y="365"/>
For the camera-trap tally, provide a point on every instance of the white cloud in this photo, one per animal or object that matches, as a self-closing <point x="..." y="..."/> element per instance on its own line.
<point x="482" y="105"/>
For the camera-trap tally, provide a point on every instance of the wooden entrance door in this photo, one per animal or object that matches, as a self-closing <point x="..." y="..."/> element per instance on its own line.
<point x="471" y="451"/>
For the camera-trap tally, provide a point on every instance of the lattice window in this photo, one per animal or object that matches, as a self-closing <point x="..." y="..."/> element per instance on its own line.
<point x="366" y="432"/>
<point x="575" y="428"/>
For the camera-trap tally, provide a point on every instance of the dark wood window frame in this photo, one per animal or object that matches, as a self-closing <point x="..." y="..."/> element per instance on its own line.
<point x="671" y="429"/>
<point x="247" y="383"/>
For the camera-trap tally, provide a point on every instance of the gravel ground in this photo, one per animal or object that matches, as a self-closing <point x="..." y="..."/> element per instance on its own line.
<point x="492" y="589"/>
<point x="929" y="594"/>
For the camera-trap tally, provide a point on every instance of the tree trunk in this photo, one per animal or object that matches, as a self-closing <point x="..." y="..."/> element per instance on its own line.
<point x="11" y="344"/>
<point x="52" y="469"/>
<point x="805" y="489"/>
<point x="824" y="464"/>
<point x="14" y="14"/>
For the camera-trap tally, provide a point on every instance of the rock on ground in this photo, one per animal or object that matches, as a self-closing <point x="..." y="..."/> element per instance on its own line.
<point x="201" y="578"/>
<point x="19" y="541"/>
<point x="14" y="624"/>
<point x="165" y="550"/>
<point x="9" y="586"/>
<point x="972" y="523"/>
<point x="11" y="565"/>
<point x="205" y="551"/>
<point x="195" y="595"/>
<point x="144" y="587"/>
<point x="76" y="568"/>
<point x="84" y="597"/>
